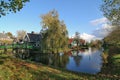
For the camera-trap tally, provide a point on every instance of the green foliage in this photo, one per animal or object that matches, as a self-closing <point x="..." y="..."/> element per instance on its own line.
<point x="111" y="10"/>
<point x="77" y="38"/>
<point x="7" y="6"/>
<point x="55" y="34"/>
<point x="116" y="59"/>
<point x="111" y="56"/>
<point x="113" y="38"/>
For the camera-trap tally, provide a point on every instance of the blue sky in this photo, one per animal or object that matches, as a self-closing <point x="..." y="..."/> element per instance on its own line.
<point x="77" y="15"/>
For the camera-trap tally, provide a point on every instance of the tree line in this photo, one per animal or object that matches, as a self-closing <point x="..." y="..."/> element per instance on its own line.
<point x="111" y="10"/>
<point x="55" y="31"/>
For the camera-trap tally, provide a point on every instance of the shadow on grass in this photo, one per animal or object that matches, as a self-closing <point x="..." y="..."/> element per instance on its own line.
<point x="3" y="58"/>
<point x="117" y="58"/>
<point x="112" y="68"/>
<point x="1" y="62"/>
<point x="45" y="75"/>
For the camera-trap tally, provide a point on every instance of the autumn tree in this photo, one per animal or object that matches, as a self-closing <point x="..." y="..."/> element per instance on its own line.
<point x="111" y="10"/>
<point x="113" y="37"/>
<point x="7" y="6"/>
<point x="9" y="34"/>
<point x="21" y="34"/>
<point x="55" y="34"/>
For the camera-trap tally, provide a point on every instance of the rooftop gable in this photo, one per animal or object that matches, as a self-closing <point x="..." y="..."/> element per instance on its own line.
<point x="34" y="37"/>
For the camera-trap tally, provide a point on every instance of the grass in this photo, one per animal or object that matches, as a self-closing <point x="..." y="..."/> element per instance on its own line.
<point x="8" y="51"/>
<point x="112" y="67"/>
<point x="116" y="59"/>
<point x="16" y="69"/>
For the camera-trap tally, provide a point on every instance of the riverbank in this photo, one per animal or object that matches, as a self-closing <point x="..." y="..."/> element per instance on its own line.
<point x="112" y="59"/>
<point x="16" y="69"/>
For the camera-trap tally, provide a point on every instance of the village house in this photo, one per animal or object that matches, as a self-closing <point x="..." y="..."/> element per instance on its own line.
<point x="33" y="38"/>
<point x="73" y="43"/>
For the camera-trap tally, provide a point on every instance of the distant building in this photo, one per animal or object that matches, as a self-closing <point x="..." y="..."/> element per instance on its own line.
<point x="5" y="39"/>
<point x="73" y="43"/>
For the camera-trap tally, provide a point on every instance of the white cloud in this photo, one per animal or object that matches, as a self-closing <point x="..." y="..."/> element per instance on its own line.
<point x="103" y="27"/>
<point x="87" y="37"/>
<point x="106" y="26"/>
<point x="99" y="21"/>
<point x="103" y="31"/>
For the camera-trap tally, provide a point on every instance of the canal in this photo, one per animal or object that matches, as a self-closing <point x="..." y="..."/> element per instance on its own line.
<point x="85" y="60"/>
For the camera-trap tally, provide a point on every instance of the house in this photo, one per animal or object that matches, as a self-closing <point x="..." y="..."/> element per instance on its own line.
<point x="73" y="43"/>
<point x="5" y="39"/>
<point x="33" y="38"/>
<point x="82" y="42"/>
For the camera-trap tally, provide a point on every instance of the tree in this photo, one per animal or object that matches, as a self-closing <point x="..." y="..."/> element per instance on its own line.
<point x="9" y="34"/>
<point x="55" y="34"/>
<point x="113" y="37"/>
<point x="96" y="43"/>
<point x="77" y="38"/>
<point x="7" y="6"/>
<point x="111" y="10"/>
<point x="21" y="34"/>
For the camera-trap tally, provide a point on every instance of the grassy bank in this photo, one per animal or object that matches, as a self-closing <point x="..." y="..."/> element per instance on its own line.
<point x="15" y="69"/>
<point x="8" y="51"/>
<point x="112" y="62"/>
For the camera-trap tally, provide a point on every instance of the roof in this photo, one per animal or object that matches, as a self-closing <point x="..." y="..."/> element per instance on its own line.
<point x="82" y="41"/>
<point x="71" y="40"/>
<point x="34" y="37"/>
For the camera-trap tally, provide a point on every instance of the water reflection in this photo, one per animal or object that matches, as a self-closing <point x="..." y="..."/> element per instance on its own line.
<point x="87" y="60"/>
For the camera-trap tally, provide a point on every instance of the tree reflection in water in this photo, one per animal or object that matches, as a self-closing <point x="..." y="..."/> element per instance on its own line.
<point x="76" y="57"/>
<point x="84" y="60"/>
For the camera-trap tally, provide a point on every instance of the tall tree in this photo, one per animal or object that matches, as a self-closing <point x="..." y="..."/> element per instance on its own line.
<point x="113" y="37"/>
<point x="111" y="10"/>
<point x="77" y="38"/>
<point x="7" y="6"/>
<point x="55" y="34"/>
<point x="21" y="34"/>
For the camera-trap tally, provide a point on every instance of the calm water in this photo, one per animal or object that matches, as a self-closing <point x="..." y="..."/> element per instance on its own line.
<point x="86" y="61"/>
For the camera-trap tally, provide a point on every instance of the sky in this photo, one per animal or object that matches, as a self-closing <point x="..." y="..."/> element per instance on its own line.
<point x="83" y="16"/>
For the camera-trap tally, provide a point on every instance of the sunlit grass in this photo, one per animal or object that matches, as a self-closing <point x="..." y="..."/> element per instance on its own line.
<point x="16" y="69"/>
<point x="8" y="51"/>
<point x="116" y="59"/>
